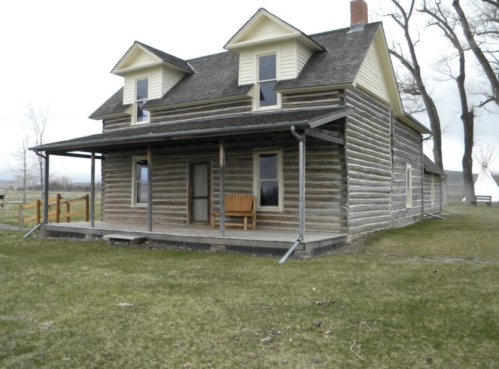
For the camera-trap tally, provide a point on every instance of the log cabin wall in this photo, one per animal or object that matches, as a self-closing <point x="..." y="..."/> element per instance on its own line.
<point x="321" y="99"/>
<point x="430" y="208"/>
<point x="406" y="150"/>
<point x="368" y="163"/>
<point x="325" y="184"/>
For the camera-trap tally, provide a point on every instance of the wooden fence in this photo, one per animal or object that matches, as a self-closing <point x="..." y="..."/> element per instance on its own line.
<point x="55" y="214"/>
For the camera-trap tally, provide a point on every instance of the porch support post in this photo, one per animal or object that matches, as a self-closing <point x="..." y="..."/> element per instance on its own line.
<point x="92" y="190"/>
<point x="46" y="190"/>
<point x="149" y="184"/>
<point x="222" y="188"/>
<point x="302" y="187"/>
<point x="301" y="213"/>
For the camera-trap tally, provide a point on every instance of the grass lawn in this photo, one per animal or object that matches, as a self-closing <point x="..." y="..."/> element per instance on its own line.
<point x="423" y="296"/>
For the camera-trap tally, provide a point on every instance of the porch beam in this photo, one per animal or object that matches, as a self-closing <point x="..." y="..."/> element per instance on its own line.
<point x="149" y="184"/>
<point x="92" y="190"/>
<point x="72" y="155"/>
<point x="222" y="188"/>
<point x="324" y="135"/>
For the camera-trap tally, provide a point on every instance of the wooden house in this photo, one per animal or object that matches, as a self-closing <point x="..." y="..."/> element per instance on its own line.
<point x="280" y="108"/>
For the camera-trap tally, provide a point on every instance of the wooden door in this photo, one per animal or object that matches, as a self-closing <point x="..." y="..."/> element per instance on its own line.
<point x="200" y="192"/>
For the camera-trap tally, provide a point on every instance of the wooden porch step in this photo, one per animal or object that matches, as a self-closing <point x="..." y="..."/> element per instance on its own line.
<point x="132" y="240"/>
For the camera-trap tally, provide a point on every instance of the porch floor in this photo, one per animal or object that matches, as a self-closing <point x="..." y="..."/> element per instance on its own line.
<point x="200" y="236"/>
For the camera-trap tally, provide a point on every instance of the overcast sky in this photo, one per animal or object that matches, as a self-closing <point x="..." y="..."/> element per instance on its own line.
<point x="60" y="53"/>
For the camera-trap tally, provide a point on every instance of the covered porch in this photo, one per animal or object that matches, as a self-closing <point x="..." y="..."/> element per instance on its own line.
<point x="203" y="237"/>
<point x="305" y="145"/>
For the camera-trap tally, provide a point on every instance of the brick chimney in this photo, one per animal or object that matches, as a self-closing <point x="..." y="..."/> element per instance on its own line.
<point x="358" y="12"/>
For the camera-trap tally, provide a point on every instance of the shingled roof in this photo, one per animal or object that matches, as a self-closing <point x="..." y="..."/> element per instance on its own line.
<point x="431" y="167"/>
<point x="217" y="75"/>
<point x="168" y="58"/>
<point x="234" y="124"/>
<point x="112" y="107"/>
<point x="340" y="64"/>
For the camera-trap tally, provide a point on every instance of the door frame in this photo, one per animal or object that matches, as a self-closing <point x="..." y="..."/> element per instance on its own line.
<point x="190" y="164"/>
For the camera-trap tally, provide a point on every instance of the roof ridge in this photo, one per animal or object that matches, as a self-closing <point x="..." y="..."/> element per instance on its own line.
<point x="342" y="29"/>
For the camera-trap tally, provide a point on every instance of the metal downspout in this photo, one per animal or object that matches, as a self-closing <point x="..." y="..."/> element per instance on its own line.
<point x="301" y="227"/>
<point x="422" y="175"/>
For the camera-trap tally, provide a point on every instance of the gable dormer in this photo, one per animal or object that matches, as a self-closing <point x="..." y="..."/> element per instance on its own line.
<point x="149" y="74"/>
<point x="269" y="50"/>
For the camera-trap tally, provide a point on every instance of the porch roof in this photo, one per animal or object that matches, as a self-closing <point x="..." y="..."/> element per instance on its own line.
<point x="207" y="127"/>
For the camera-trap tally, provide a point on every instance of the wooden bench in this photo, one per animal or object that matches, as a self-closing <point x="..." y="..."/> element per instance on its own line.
<point x="238" y="205"/>
<point x="486" y="199"/>
<point x="2" y="201"/>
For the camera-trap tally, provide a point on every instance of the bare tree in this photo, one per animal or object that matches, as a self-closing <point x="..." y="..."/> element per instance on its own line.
<point x="23" y="166"/>
<point x="38" y="120"/>
<point x="471" y="32"/>
<point x="415" y="88"/>
<point x="441" y="17"/>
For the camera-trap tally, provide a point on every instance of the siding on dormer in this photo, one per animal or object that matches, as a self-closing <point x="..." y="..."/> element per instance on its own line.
<point x="290" y="59"/>
<point x="161" y="80"/>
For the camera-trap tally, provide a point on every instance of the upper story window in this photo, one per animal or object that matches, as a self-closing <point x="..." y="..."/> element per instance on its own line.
<point x="141" y="96"/>
<point x="267" y="79"/>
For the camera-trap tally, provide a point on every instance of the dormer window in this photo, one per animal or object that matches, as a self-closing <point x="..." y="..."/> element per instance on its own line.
<point x="267" y="79"/>
<point x="141" y="96"/>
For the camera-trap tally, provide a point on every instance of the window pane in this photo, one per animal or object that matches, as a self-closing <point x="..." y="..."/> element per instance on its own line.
<point x="268" y="166"/>
<point x="266" y="67"/>
<point x="142" y="115"/>
<point x="141" y="170"/>
<point x="142" y="87"/>
<point x="142" y="192"/>
<point x="269" y="193"/>
<point x="268" y="97"/>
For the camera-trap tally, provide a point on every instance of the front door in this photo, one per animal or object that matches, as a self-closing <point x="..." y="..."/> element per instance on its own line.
<point x="200" y="192"/>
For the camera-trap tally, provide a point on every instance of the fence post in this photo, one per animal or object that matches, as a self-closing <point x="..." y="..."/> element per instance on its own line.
<point x="58" y="208"/>
<point x="38" y="217"/>
<point x="86" y="208"/>
<point x="68" y="210"/>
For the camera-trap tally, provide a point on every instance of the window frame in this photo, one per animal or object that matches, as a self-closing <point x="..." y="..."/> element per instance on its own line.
<point x="256" y="180"/>
<point x="136" y="101"/>
<point x="408" y="186"/>
<point x="257" y="84"/>
<point x="135" y="159"/>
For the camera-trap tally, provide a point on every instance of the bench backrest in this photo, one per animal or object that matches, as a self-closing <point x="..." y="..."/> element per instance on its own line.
<point x="239" y="202"/>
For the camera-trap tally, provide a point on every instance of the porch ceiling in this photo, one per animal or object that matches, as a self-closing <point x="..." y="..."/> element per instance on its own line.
<point x="208" y="127"/>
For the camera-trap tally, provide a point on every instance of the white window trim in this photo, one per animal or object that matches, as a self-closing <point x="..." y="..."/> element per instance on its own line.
<point x="135" y="105"/>
<point x="256" y="180"/>
<point x="134" y="181"/>
<point x="408" y="185"/>
<point x="256" y="97"/>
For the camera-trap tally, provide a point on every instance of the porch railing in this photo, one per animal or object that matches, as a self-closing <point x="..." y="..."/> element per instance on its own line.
<point x="54" y="204"/>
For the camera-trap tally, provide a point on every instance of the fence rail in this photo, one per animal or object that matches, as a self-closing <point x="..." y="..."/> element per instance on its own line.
<point x="54" y="203"/>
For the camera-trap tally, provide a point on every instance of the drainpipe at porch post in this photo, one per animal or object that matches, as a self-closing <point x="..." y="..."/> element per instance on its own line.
<point x="222" y="188"/>
<point x="301" y="144"/>
<point x="92" y="189"/>
<point x="301" y="226"/>
<point x="46" y="191"/>
<point x="149" y="190"/>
